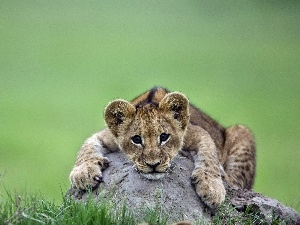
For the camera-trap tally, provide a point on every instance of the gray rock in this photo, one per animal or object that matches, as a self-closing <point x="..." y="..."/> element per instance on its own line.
<point x="174" y="195"/>
<point x="174" y="191"/>
<point x="267" y="208"/>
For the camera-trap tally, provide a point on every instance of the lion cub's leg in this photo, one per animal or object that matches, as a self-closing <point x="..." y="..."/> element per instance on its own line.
<point x="91" y="161"/>
<point x="206" y="175"/>
<point x="238" y="157"/>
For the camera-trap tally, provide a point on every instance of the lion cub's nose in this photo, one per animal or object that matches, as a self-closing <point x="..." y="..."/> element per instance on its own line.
<point x="153" y="165"/>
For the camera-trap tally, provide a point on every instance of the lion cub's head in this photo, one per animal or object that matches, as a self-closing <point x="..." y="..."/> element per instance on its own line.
<point x="151" y="134"/>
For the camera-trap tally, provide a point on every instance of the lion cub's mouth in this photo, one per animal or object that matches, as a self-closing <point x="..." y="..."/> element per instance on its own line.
<point x="153" y="175"/>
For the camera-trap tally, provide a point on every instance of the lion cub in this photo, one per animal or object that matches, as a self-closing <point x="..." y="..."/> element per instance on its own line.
<point x="152" y="128"/>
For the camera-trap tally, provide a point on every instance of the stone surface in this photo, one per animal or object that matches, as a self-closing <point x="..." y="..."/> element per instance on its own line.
<point x="175" y="193"/>
<point x="264" y="205"/>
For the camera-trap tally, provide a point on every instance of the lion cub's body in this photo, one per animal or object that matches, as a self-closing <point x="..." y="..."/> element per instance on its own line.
<point x="153" y="127"/>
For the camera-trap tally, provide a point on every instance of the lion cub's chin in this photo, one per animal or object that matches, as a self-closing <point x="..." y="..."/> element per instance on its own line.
<point x="153" y="176"/>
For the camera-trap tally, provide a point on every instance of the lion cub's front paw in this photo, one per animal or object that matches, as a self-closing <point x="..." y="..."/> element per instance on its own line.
<point x="88" y="175"/>
<point x="210" y="188"/>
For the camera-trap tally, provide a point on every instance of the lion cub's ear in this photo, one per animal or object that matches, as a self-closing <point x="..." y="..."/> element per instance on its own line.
<point x="116" y="113"/>
<point x="177" y="104"/>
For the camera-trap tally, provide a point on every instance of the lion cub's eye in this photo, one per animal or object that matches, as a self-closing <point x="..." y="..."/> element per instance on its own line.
<point x="137" y="139"/>
<point x="163" y="138"/>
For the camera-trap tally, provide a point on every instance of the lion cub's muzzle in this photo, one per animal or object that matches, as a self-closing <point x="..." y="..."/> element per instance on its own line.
<point x="153" y="166"/>
<point x="153" y="170"/>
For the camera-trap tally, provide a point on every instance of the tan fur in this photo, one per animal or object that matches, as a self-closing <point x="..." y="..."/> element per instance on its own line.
<point x="151" y="130"/>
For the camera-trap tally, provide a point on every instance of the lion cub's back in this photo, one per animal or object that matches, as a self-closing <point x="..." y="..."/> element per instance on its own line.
<point x="153" y="96"/>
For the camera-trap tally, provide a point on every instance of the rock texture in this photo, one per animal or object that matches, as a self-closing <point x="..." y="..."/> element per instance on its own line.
<point x="268" y="208"/>
<point x="174" y="191"/>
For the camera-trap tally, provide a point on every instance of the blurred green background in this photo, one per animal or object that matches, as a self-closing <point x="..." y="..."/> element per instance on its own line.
<point x="61" y="62"/>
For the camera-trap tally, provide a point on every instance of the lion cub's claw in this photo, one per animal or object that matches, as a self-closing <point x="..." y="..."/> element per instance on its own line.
<point x="98" y="178"/>
<point x="88" y="175"/>
<point x="209" y="188"/>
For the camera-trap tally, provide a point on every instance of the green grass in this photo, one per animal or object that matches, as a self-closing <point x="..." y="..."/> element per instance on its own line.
<point x="37" y="210"/>
<point x="34" y="209"/>
<point x="61" y="62"/>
